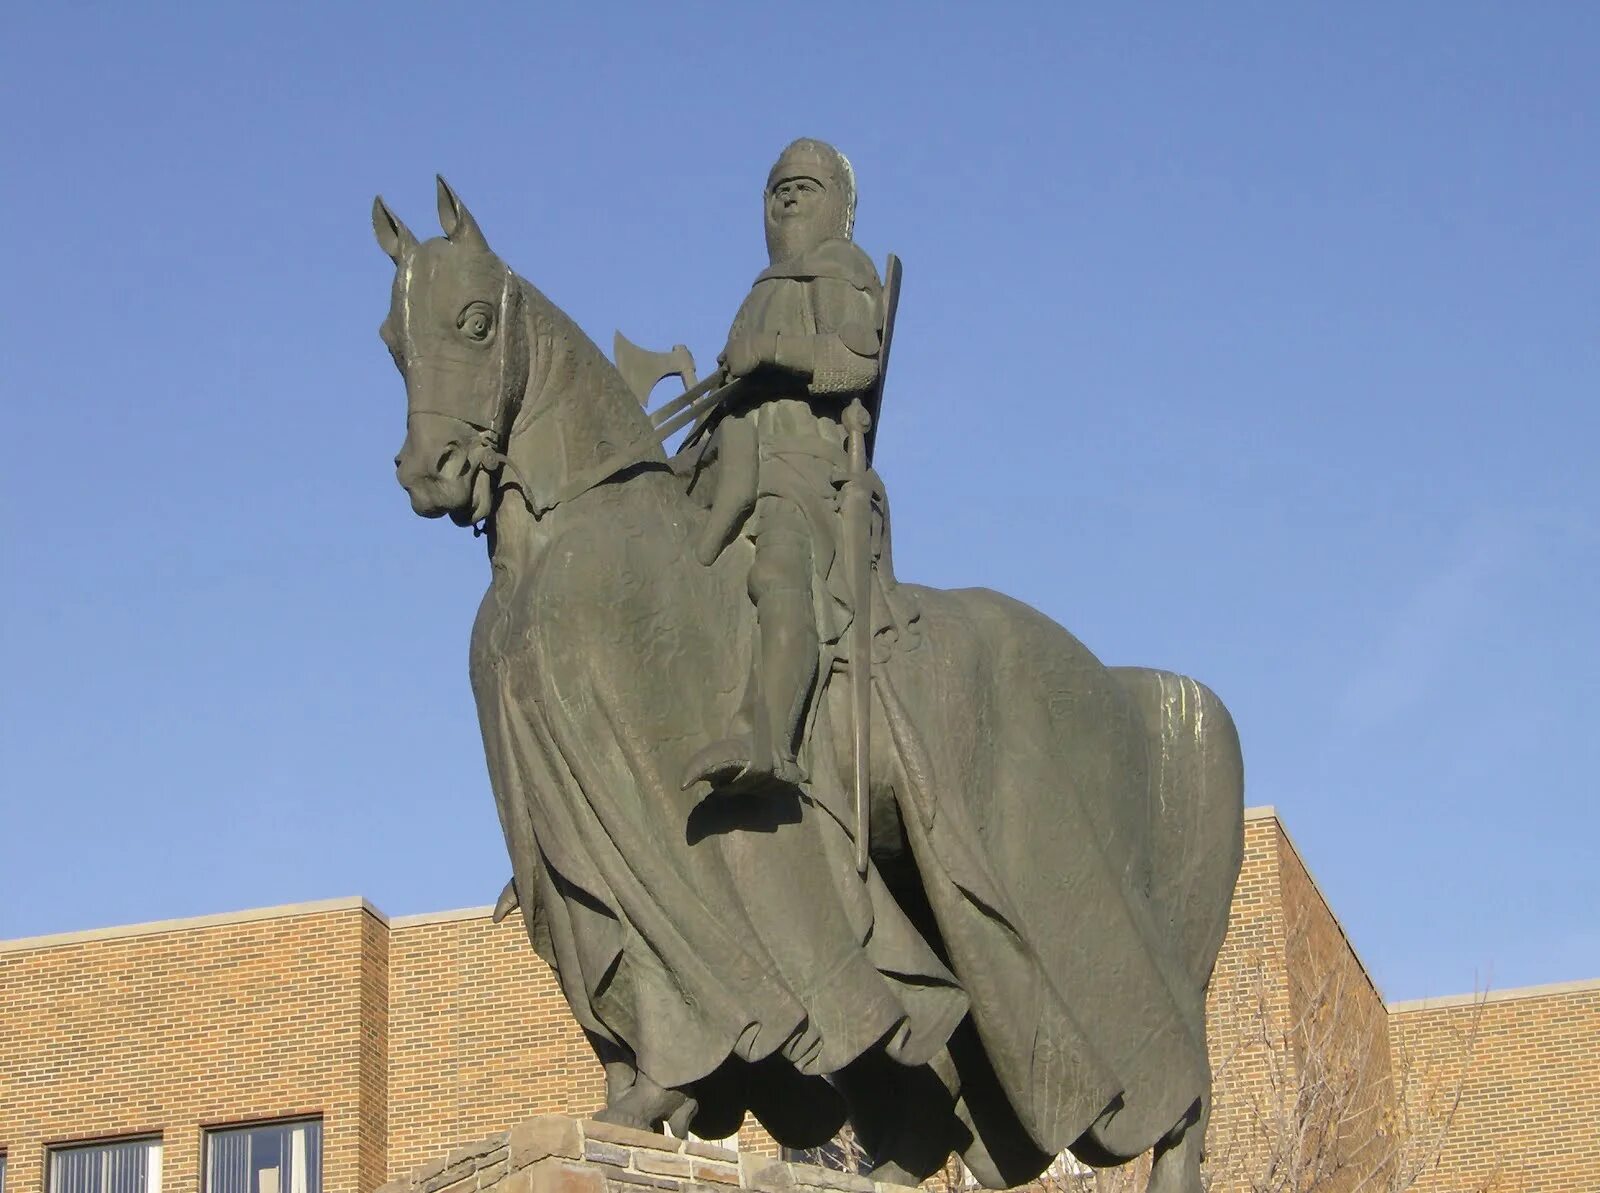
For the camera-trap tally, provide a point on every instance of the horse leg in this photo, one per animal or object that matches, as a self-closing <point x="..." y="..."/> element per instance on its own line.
<point x="643" y="1104"/>
<point x="903" y="1117"/>
<point x="1197" y="845"/>
<point x="1175" y="1166"/>
<point x="909" y="1121"/>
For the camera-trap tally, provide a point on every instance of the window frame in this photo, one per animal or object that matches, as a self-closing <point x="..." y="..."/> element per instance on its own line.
<point x="211" y="1132"/>
<point x="155" y="1156"/>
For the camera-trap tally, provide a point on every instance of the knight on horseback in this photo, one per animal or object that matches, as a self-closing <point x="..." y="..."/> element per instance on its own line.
<point x="1017" y="962"/>
<point x="804" y="344"/>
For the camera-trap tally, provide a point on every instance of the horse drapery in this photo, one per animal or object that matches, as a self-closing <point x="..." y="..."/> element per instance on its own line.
<point x="685" y="934"/>
<point x="1031" y="947"/>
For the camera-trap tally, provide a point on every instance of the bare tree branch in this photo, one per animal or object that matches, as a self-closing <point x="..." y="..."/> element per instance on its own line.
<point x="1312" y="1095"/>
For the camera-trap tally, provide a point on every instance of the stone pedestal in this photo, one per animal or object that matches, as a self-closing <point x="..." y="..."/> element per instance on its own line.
<point x="557" y="1154"/>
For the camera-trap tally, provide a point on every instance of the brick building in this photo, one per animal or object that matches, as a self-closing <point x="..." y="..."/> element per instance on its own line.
<point x="326" y="1038"/>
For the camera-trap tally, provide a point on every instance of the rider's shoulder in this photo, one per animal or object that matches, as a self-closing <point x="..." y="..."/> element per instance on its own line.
<point x="837" y="260"/>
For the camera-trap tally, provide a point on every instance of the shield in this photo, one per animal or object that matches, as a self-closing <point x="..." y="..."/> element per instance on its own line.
<point x="873" y="400"/>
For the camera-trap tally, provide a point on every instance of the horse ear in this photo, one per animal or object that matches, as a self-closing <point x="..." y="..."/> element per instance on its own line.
<point x="394" y="237"/>
<point x="457" y="222"/>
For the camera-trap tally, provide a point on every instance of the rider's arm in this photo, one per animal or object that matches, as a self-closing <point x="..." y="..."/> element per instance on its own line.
<point x="832" y="362"/>
<point x="842" y="355"/>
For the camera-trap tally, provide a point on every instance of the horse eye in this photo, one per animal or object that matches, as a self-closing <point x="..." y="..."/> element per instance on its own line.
<point x="476" y="321"/>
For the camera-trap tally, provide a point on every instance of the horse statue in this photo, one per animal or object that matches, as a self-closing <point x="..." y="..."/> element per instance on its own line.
<point x="1021" y="968"/>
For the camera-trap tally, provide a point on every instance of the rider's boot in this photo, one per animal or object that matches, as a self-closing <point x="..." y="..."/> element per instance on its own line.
<point x="762" y="747"/>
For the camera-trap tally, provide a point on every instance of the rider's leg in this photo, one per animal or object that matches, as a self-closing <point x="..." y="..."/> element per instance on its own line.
<point x="780" y="586"/>
<point x="765" y="735"/>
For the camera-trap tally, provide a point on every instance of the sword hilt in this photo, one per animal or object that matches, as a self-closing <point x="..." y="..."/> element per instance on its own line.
<point x="857" y="423"/>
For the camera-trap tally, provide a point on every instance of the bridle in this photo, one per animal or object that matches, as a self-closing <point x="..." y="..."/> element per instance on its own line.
<point x="495" y="427"/>
<point x="493" y="423"/>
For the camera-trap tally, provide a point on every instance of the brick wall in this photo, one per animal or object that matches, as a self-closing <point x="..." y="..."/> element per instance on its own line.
<point x="1465" y="1094"/>
<point x="431" y="1030"/>
<point x="1337" y="1034"/>
<point x="1249" y="987"/>
<point x="373" y="1073"/>
<point x="1291" y="1009"/>
<point x="1527" y="1065"/>
<point x="172" y="1028"/>
<point x="480" y="1036"/>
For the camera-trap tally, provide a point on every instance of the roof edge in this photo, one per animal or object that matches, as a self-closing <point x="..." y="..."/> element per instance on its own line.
<point x="1444" y="1001"/>
<point x="191" y="923"/>
<point x="1268" y="812"/>
<point x="440" y="917"/>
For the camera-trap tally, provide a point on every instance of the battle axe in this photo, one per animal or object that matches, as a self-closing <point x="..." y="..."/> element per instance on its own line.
<point x="643" y="370"/>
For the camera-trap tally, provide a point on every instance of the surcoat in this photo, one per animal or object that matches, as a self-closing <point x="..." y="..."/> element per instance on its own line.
<point x="832" y="298"/>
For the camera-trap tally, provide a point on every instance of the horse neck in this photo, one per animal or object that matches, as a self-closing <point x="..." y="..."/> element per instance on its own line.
<point x="576" y="413"/>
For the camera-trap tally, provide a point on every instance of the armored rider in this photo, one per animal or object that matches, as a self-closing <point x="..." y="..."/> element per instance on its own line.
<point x="804" y="343"/>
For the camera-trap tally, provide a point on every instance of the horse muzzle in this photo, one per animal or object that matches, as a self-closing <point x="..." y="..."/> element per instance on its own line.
<point x="446" y="480"/>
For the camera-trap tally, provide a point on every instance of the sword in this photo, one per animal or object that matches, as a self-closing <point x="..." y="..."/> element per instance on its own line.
<point x="856" y="503"/>
<point x="857" y="507"/>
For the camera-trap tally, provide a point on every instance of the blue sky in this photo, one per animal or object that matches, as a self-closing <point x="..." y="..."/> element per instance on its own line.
<point x="1255" y="342"/>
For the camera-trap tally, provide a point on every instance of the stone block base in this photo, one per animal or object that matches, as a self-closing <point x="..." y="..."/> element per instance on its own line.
<point x="557" y="1154"/>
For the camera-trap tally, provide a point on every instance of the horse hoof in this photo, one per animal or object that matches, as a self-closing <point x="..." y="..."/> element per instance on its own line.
<point x="680" y="1120"/>
<point x="645" y="1106"/>
<point x="620" y="1116"/>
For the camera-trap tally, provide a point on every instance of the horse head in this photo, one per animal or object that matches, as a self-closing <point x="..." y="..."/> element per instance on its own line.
<point x="503" y="389"/>
<point x="457" y="331"/>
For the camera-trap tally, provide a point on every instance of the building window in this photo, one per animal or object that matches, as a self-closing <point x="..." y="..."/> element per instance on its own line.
<point x="2" y="1172"/>
<point x="265" y="1158"/>
<point x="122" y="1166"/>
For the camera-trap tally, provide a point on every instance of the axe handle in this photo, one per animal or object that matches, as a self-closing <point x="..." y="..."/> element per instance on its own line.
<point x="637" y="450"/>
<point x="700" y="405"/>
<point x="667" y="409"/>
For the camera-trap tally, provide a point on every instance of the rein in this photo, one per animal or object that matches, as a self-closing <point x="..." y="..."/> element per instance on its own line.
<point x="495" y="428"/>
<point x="630" y="456"/>
<point x="495" y="440"/>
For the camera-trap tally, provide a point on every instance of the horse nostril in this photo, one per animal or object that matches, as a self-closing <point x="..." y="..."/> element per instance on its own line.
<point x="397" y="463"/>
<point x="452" y="462"/>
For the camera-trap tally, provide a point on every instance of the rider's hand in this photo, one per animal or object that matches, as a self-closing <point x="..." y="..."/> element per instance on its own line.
<point x="747" y="353"/>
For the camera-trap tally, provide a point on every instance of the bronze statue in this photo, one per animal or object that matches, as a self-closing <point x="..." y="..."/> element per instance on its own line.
<point x="807" y="339"/>
<point x="689" y="670"/>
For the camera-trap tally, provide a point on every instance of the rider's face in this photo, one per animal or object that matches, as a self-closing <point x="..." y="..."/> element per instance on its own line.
<point x="797" y="216"/>
<point x="794" y="198"/>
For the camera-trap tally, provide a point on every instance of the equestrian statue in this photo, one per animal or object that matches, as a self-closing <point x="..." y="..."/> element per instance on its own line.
<point x="798" y="839"/>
